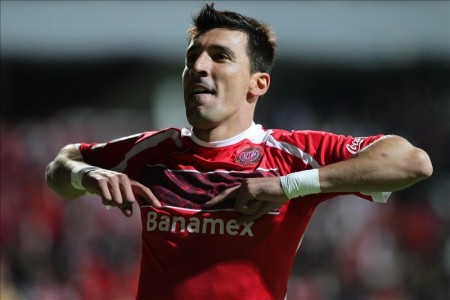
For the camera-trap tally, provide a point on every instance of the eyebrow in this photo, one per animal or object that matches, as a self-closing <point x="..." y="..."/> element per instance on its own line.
<point x="225" y="49"/>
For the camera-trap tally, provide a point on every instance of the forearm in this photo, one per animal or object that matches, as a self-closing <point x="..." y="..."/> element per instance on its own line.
<point x="58" y="172"/>
<point x="388" y="165"/>
<point x="114" y="188"/>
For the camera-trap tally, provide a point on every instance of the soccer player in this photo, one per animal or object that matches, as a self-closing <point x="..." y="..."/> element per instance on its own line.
<point x="224" y="204"/>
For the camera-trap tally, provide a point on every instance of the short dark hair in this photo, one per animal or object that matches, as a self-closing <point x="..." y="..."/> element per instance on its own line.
<point x="261" y="39"/>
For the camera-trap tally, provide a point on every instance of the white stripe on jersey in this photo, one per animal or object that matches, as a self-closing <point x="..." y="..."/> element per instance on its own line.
<point x="125" y="138"/>
<point x="211" y="172"/>
<point x="255" y="134"/>
<point x="148" y="143"/>
<point x="293" y="150"/>
<point x="205" y="209"/>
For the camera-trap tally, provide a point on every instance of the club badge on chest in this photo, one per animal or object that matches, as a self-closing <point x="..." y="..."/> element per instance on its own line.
<point x="248" y="155"/>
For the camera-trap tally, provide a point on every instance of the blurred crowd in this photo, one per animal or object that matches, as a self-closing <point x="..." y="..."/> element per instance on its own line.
<point x="353" y="249"/>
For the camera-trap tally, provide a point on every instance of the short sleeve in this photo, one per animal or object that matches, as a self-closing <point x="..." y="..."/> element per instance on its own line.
<point x="109" y="154"/>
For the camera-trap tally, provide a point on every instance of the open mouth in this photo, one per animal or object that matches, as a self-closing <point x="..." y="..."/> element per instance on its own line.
<point x="200" y="89"/>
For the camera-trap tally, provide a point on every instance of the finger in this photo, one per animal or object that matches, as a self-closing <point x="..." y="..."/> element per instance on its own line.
<point x="145" y="192"/>
<point x="127" y="191"/>
<point x="245" y="202"/>
<point x="266" y="207"/>
<point x="116" y="192"/>
<point x="96" y="182"/>
<point x="105" y="193"/>
<point x="127" y="211"/>
<point x="252" y="207"/>
<point x="229" y="193"/>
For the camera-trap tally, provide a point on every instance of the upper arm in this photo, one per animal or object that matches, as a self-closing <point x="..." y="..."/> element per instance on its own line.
<point x="328" y="148"/>
<point x="412" y="161"/>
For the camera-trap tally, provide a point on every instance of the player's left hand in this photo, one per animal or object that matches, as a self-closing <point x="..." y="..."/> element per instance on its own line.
<point x="255" y="197"/>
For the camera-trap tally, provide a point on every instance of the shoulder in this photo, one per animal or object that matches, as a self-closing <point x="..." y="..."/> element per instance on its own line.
<point x="299" y="136"/>
<point x="167" y="134"/>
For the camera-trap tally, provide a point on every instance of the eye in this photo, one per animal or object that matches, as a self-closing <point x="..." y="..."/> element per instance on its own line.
<point x="220" y="56"/>
<point x="191" y="57"/>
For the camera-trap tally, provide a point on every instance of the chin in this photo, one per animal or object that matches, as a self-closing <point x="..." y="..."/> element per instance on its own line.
<point x="197" y="120"/>
<point x="201" y="122"/>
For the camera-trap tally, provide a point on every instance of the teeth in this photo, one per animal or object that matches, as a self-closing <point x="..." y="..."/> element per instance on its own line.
<point x="198" y="90"/>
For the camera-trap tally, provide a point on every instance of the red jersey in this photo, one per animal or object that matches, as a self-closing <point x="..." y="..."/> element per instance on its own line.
<point x="190" y="252"/>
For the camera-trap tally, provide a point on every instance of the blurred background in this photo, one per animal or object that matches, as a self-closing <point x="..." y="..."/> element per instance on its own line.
<point x="75" y="71"/>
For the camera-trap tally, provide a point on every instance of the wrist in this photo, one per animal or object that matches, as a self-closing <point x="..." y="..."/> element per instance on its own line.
<point x="301" y="183"/>
<point x="77" y="174"/>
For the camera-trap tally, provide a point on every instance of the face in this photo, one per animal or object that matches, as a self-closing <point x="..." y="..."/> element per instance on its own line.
<point x="216" y="79"/>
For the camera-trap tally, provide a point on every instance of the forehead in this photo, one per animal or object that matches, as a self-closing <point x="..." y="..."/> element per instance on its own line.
<point x="232" y="39"/>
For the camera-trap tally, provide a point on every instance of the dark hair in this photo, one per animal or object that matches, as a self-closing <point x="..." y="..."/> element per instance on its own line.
<point x="261" y="40"/>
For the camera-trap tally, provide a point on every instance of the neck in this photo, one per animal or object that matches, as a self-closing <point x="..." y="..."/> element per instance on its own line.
<point x="220" y="133"/>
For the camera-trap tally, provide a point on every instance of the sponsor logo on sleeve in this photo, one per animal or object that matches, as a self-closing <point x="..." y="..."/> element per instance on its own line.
<point x="355" y="146"/>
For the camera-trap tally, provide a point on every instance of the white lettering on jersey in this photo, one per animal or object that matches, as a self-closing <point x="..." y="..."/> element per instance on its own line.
<point x="355" y="146"/>
<point x="197" y="225"/>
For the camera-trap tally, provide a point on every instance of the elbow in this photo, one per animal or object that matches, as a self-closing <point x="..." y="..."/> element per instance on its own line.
<point x="423" y="167"/>
<point x="49" y="174"/>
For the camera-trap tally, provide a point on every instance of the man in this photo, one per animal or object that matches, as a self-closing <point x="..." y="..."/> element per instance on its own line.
<point x="224" y="205"/>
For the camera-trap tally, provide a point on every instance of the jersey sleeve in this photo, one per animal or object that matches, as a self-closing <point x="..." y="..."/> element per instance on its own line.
<point x="327" y="148"/>
<point x="108" y="155"/>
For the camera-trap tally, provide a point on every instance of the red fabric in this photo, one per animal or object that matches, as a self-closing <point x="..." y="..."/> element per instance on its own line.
<point x="194" y="253"/>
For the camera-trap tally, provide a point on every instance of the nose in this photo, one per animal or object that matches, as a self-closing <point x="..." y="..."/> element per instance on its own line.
<point x="201" y="65"/>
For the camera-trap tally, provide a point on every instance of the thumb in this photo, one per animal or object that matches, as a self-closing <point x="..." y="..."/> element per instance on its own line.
<point x="145" y="192"/>
<point x="229" y="193"/>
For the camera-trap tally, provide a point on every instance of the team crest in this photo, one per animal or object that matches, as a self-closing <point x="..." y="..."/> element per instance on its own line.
<point x="248" y="155"/>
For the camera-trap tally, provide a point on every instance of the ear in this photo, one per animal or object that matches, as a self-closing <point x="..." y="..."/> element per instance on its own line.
<point x="258" y="86"/>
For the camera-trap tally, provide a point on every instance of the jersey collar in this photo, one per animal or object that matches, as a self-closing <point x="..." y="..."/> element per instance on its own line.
<point x="249" y="133"/>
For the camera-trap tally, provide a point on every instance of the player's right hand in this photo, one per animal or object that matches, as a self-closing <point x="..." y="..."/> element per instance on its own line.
<point x="116" y="189"/>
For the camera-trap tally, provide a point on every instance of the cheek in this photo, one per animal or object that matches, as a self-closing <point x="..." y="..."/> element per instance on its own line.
<point x="235" y="79"/>
<point x="184" y="82"/>
<point x="183" y="77"/>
